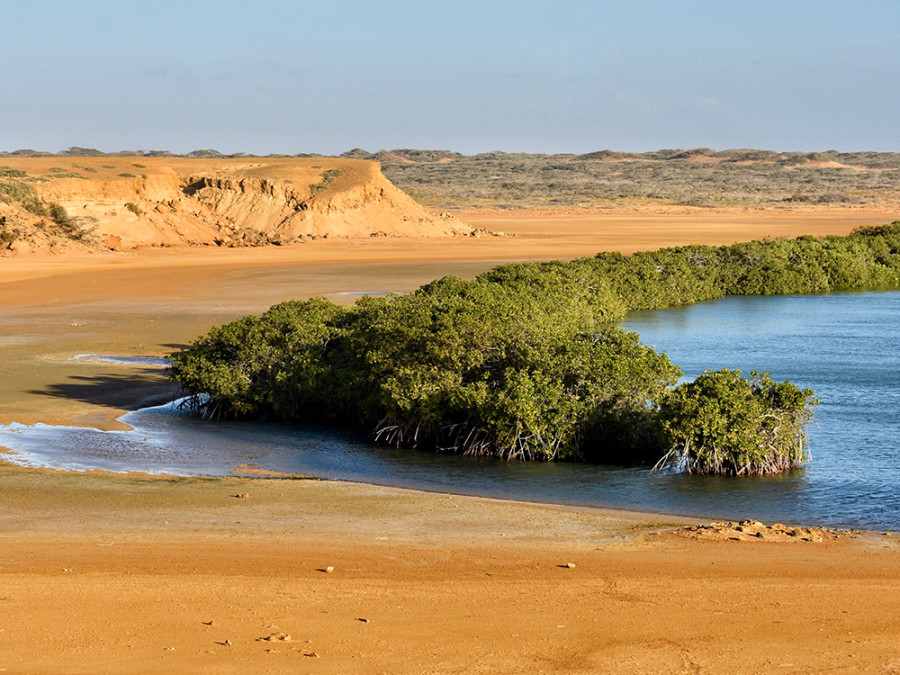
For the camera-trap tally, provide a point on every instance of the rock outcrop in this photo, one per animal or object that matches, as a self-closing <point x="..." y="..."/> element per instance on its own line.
<point x="130" y="202"/>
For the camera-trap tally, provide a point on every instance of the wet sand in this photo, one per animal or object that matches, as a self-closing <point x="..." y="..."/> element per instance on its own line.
<point x="131" y="573"/>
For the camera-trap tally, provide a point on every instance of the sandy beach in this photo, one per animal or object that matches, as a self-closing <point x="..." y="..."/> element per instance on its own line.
<point x="111" y="573"/>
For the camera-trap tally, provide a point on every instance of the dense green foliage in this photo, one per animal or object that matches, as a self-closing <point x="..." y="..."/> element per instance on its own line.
<point x="525" y="361"/>
<point x="475" y="367"/>
<point x="722" y="423"/>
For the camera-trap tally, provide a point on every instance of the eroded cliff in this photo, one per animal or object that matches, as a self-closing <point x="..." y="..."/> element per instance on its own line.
<point x="60" y="203"/>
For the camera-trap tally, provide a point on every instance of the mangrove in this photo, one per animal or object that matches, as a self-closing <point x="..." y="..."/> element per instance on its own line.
<point x="526" y="361"/>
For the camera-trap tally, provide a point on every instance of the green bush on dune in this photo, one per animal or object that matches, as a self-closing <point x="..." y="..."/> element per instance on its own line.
<point x="525" y="361"/>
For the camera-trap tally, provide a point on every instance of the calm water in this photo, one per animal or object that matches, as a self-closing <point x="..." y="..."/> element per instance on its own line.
<point x="845" y="346"/>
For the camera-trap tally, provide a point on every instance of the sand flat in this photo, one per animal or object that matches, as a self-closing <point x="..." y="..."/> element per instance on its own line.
<point x="130" y="574"/>
<point x="134" y="574"/>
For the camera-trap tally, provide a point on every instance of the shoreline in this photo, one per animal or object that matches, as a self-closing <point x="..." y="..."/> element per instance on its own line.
<point x="256" y="471"/>
<point x="673" y="520"/>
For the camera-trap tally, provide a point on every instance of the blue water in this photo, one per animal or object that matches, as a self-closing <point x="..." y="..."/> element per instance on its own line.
<point x="844" y="346"/>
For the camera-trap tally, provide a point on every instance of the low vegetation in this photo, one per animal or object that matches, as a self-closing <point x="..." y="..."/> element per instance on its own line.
<point x="699" y="177"/>
<point x="328" y="177"/>
<point x="525" y="361"/>
<point x="16" y="190"/>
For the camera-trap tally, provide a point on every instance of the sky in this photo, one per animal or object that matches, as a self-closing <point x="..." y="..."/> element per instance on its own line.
<point x="569" y="76"/>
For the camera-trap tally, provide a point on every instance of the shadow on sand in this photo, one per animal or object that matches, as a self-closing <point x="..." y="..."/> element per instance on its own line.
<point x="141" y="388"/>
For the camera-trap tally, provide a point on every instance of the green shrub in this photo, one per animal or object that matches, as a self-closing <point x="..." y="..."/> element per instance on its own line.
<point x="470" y="367"/>
<point x="327" y="178"/>
<point x="724" y="424"/>
<point x="59" y="215"/>
<point x="273" y="365"/>
<point x="16" y="191"/>
<point x="8" y="233"/>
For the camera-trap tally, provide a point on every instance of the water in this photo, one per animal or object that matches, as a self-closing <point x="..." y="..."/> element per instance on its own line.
<point x="844" y="346"/>
<point x="124" y="360"/>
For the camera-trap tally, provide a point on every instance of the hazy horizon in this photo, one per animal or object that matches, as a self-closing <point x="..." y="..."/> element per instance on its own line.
<point x="203" y="152"/>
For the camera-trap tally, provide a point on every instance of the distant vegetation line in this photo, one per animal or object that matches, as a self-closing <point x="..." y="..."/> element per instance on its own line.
<point x="526" y="361"/>
<point x="695" y="177"/>
<point x="700" y="178"/>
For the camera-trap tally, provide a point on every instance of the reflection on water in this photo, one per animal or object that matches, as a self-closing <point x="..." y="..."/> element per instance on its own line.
<point x="844" y="346"/>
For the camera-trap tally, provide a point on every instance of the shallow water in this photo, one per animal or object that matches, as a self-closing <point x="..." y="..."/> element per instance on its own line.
<point x="124" y="360"/>
<point x="844" y="346"/>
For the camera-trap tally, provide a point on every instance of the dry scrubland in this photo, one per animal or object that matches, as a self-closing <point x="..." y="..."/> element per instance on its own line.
<point x="606" y="179"/>
<point x="103" y="573"/>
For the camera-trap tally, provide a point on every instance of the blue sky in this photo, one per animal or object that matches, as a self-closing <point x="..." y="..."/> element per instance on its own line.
<point x="274" y="76"/>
